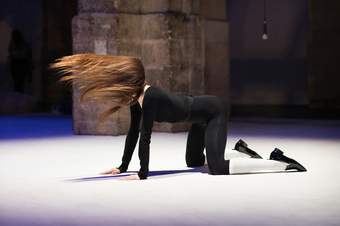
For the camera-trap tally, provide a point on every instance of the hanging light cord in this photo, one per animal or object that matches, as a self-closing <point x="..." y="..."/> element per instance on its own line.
<point x="265" y="32"/>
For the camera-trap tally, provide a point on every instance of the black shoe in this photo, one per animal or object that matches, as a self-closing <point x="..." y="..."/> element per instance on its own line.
<point x="242" y="146"/>
<point x="278" y="155"/>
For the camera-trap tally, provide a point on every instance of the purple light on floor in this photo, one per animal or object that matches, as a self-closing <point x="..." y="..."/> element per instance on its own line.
<point x="40" y="126"/>
<point x="36" y="126"/>
<point x="286" y="128"/>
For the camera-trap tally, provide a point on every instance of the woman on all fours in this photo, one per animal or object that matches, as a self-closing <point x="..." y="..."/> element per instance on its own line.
<point x="120" y="81"/>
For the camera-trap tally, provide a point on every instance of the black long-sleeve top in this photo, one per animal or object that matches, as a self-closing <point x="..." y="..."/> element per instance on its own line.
<point x="158" y="105"/>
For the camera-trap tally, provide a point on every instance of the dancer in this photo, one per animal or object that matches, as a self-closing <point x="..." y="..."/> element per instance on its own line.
<point x="120" y="81"/>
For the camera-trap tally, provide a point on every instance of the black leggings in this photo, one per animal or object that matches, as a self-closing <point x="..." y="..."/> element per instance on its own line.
<point x="208" y="115"/>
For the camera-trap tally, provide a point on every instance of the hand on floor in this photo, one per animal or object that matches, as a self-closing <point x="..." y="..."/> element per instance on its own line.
<point x="130" y="177"/>
<point x="111" y="171"/>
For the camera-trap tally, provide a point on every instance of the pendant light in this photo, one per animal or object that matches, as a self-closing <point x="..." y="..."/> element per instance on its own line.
<point x="265" y="33"/>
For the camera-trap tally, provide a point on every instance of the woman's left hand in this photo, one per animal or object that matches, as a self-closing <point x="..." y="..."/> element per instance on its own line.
<point x="130" y="177"/>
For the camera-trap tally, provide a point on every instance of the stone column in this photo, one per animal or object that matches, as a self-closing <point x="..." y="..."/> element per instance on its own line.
<point x="216" y="47"/>
<point x="94" y="30"/>
<point x="165" y="34"/>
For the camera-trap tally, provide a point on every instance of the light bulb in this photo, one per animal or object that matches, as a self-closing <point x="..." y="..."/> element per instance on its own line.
<point x="264" y="36"/>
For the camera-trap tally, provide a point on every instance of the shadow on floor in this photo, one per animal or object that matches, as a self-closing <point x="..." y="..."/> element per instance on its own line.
<point x="169" y="173"/>
<point x="151" y="174"/>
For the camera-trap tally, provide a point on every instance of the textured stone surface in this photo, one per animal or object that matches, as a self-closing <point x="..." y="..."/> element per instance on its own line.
<point x="214" y="9"/>
<point x="157" y="6"/>
<point x="217" y="58"/>
<point x="140" y="6"/>
<point x="94" y="32"/>
<point x="180" y="50"/>
<point x="216" y="48"/>
<point x="165" y="34"/>
<point x="96" y="6"/>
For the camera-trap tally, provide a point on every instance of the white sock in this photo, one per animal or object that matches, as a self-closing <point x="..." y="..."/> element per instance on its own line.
<point x="232" y="154"/>
<point x="252" y="165"/>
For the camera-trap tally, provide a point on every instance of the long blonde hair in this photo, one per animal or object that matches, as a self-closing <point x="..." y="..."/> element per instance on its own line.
<point x="117" y="79"/>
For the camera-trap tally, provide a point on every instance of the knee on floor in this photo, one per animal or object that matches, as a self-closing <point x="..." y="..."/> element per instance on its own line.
<point x="195" y="163"/>
<point x="222" y="168"/>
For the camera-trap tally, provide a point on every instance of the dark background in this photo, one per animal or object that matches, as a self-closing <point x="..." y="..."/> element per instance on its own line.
<point x="294" y="73"/>
<point x="272" y="71"/>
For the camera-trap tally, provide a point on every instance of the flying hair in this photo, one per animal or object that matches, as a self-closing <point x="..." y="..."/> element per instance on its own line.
<point x="117" y="79"/>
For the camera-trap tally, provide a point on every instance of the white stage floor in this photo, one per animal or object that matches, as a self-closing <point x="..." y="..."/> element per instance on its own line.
<point x="49" y="177"/>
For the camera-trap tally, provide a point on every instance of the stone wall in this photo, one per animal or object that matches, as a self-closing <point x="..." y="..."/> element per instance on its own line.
<point x="168" y="36"/>
<point x="216" y="47"/>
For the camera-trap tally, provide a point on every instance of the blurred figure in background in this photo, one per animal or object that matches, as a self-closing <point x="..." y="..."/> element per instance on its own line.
<point x="20" y="61"/>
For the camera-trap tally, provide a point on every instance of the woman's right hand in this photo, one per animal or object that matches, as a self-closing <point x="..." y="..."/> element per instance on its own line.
<point x="111" y="171"/>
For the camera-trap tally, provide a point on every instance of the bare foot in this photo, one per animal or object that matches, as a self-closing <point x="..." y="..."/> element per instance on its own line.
<point x="130" y="177"/>
<point x="111" y="171"/>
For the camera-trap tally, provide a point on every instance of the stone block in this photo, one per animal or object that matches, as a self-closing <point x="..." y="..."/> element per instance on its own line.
<point x="126" y="47"/>
<point x="216" y="57"/>
<point x="186" y="51"/>
<point x="153" y="26"/>
<point x="157" y="6"/>
<point x="182" y="6"/>
<point x="155" y="53"/>
<point x="127" y="6"/>
<point x="128" y="26"/>
<point x="83" y="46"/>
<point x="154" y="6"/>
<point x="157" y="26"/>
<point x="81" y="25"/>
<point x="95" y="6"/>
<point x="183" y="26"/>
<point x="91" y="32"/>
<point x="217" y="70"/>
<point x="103" y="25"/>
<point x="94" y="25"/>
<point x="160" y="77"/>
<point x="180" y="79"/>
<point x="196" y="7"/>
<point x="214" y="9"/>
<point x="196" y="80"/>
<point x="216" y="31"/>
